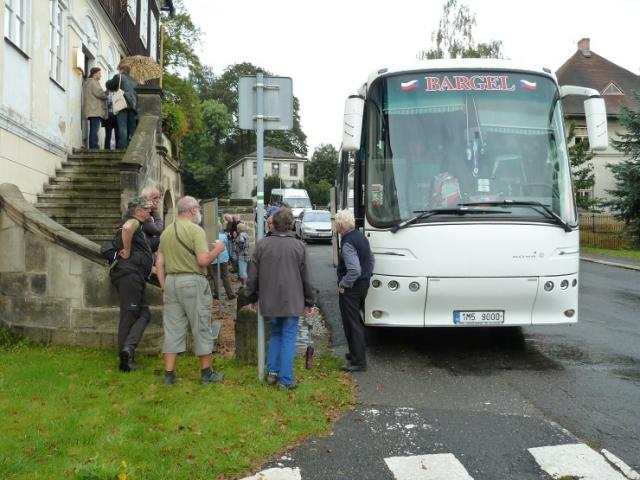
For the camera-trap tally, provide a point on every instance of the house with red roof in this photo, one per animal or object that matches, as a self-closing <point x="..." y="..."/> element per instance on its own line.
<point x="615" y="83"/>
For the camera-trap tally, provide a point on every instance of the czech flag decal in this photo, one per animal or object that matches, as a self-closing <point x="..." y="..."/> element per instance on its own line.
<point x="411" y="85"/>
<point x="528" y="85"/>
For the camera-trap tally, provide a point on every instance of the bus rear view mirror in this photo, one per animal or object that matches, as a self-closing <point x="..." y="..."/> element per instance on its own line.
<point x="353" y="111"/>
<point x="596" y="113"/>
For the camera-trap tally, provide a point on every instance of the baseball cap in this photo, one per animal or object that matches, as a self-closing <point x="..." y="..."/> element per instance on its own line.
<point x="140" y="202"/>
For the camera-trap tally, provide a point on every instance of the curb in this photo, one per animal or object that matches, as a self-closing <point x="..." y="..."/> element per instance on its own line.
<point x="611" y="264"/>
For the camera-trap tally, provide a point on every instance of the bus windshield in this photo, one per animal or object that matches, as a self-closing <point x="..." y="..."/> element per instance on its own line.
<point x="435" y="140"/>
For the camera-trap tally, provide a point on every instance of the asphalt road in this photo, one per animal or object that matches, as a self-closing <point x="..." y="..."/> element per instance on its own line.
<point x="492" y="401"/>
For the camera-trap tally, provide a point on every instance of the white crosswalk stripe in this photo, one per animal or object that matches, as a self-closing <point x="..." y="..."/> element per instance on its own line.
<point x="440" y="466"/>
<point x="575" y="460"/>
<point x="559" y="461"/>
<point x="277" y="474"/>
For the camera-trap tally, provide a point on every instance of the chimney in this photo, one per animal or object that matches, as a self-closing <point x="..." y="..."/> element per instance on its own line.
<point x="584" y="45"/>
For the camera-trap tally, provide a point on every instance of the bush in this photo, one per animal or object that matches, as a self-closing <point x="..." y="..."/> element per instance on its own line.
<point x="174" y="122"/>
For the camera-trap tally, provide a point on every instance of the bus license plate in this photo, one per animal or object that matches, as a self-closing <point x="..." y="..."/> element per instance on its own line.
<point x="478" y="316"/>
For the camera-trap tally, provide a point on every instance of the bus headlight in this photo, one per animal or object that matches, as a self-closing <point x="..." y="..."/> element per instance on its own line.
<point x="414" y="286"/>
<point x="548" y="286"/>
<point x="393" y="285"/>
<point x="376" y="283"/>
<point x="564" y="284"/>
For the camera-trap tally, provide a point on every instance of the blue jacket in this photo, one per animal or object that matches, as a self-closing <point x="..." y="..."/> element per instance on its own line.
<point x="224" y="255"/>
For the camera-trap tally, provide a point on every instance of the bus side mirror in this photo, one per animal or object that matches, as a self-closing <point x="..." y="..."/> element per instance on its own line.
<point x="353" y="111"/>
<point x="596" y="113"/>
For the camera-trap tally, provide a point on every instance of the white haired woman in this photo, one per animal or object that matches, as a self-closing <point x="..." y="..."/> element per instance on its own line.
<point x="355" y="267"/>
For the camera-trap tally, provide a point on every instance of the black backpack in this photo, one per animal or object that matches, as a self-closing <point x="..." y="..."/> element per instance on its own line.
<point x="109" y="249"/>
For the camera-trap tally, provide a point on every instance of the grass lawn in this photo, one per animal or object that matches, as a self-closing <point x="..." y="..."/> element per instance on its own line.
<point x="612" y="253"/>
<point x="69" y="413"/>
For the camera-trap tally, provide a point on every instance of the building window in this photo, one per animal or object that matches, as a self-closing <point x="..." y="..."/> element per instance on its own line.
<point x="275" y="169"/>
<point x="144" y="21"/>
<point x="255" y="168"/>
<point x="14" y="22"/>
<point x="153" y="41"/>
<point x="132" y="8"/>
<point x="56" y="39"/>
<point x="242" y="174"/>
<point x="293" y="170"/>
<point x="612" y="89"/>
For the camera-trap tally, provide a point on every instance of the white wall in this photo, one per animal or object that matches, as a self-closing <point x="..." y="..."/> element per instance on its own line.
<point x="241" y="186"/>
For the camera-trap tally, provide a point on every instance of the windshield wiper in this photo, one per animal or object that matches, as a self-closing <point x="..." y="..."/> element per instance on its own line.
<point x="516" y="203"/>
<point x="440" y="211"/>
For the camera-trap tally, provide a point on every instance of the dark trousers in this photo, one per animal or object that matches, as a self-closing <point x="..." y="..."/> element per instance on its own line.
<point x="224" y="276"/>
<point x="134" y="312"/>
<point x="351" y="301"/>
<point x="94" y="127"/>
<point x="110" y="126"/>
<point x="127" y="121"/>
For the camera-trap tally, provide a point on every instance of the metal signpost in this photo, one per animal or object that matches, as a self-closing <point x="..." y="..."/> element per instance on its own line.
<point x="210" y="224"/>
<point x="264" y="103"/>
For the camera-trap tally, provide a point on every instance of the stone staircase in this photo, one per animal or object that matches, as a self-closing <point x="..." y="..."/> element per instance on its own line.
<point x="84" y="196"/>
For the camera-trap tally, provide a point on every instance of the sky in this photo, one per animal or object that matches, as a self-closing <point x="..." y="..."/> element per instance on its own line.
<point x="329" y="48"/>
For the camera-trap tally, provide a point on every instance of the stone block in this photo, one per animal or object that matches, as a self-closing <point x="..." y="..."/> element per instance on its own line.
<point x="36" y="258"/>
<point x="38" y="284"/>
<point x="105" y="318"/>
<point x="246" y="331"/>
<point x="109" y="341"/>
<point x="6" y="309"/>
<point x="64" y="337"/>
<point x="89" y="339"/>
<point x="82" y="318"/>
<point x="12" y="259"/>
<point x="60" y="284"/>
<point x="50" y="313"/>
<point x="6" y="221"/>
<point x="75" y="265"/>
<point x="35" y="334"/>
<point x="98" y="291"/>
<point x="14" y="284"/>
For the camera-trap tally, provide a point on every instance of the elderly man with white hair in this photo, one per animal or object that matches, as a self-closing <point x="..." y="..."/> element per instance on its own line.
<point x="355" y="267"/>
<point x="181" y="266"/>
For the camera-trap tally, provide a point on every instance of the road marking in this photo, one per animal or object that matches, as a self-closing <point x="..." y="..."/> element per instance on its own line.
<point x="440" y="466"/>
<point x="624" y="468"/>
<point x="277" y="474"/>
<point x="575" y="460"/>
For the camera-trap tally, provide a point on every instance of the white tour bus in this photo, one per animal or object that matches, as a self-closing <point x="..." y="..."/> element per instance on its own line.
<point x="462" y="184"/>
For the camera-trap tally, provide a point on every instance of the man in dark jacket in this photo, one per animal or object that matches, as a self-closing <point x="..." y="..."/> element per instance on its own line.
<point x="355" y="267"/>
<point x="129" y="275"/>
<point x="127" y="118"/>
<point x="279" y="278"/>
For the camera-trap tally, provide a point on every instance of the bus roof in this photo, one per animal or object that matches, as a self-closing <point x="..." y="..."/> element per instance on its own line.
<point x="459" y="64"/>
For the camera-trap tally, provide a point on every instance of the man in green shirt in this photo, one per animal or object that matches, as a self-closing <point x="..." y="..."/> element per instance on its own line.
<point x="181" y="266"/>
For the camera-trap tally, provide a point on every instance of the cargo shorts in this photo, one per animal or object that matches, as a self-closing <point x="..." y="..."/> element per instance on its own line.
<point x="187" y="304"/>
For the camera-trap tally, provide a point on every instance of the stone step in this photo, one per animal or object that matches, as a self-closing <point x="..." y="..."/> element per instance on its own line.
<point x="79" y="196"/>
<point x="83" y="162"/>
<point x="99" y="188"/>
<point x="70" y="171"/>
<point x="92" y="229"/>
<point x="100" y="239"/>
<point x="85" y="179"/>
<point x="64" y="211"/>
<point x="88" y="218"/>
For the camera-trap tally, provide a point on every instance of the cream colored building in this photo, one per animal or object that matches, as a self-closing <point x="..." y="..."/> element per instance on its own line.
<point x="242" y="174"/>
<point x="48" y="47"/>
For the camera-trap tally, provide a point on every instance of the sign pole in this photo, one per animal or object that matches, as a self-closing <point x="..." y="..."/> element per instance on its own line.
<point x="260" y="203"/>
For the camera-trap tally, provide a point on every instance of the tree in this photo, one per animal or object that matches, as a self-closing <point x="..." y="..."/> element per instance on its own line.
<point x="626" y="196"/>
<point x="581" y="169"/>
<point x="454" y="37"/>
<point x="225" y="89"/>
<point x="320" y="174"/>
<point x="270" y="182"/>
<point x="180" y="38"/>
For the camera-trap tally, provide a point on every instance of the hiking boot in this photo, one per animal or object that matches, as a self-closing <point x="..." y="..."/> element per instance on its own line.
<point x="126" y="355"/>
<point x="133" y="365"/>
<point x="288" y="386"/>
<point x="272" y="378"/>
<point x="353" y="368"/>
<point x="211" y="377"/>
<point x="231" y="296"/>
<point x="170" y="378"/>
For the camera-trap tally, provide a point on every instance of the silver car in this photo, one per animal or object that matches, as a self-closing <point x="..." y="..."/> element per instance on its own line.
<point x="314" y="225"/>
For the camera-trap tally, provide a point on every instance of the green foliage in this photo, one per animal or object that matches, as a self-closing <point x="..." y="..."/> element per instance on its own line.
<point x="320" y="174"/>
<point x="181" y="36"/>
<point x="454" y="37"/>
<point x="270" y="182"/>
<point x="174" y="123"/>
<point x="69" y="413"/>
<point x="581" y="169"/>
<point x="10" y="342"/>
<point x="181" y="93"/>
<point x="625" y="202"/>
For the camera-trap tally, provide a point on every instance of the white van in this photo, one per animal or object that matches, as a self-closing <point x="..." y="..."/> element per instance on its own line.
<point x="296" y="198"/>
